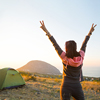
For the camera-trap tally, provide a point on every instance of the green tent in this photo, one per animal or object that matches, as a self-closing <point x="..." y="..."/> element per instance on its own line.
<point x="10" y="78"/>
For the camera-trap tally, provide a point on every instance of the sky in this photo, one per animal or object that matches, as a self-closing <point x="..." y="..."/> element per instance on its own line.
<point x="22" y="40"/>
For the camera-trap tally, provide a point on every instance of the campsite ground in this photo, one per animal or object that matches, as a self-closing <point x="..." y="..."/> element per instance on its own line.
<point x="40" y="87"/>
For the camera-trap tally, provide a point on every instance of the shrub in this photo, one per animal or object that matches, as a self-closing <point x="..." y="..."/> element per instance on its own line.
<point x="31" y="78"/>
<point x="57" y="80"/>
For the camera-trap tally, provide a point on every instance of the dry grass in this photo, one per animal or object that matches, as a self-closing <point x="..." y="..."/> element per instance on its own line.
<point x="91" y="90"/>
<point x="47" y="88"/>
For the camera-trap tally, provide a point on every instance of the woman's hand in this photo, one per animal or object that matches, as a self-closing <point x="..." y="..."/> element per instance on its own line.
<point x="92" y="29"/>
<point x="43" y="26"/>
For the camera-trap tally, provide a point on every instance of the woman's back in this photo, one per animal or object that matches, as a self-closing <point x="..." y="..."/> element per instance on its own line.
<point x="72" y="66"/>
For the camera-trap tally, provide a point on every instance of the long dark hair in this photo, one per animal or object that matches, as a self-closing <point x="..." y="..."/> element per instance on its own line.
<point x="71" y="47"/>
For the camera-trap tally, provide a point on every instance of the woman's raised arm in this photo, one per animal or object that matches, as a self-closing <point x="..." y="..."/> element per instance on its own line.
<point x="51" y="38"/>
<point x="83" y="47"/>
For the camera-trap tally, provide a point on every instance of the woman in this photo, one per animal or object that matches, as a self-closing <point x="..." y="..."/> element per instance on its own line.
<point x="72" y="65"/>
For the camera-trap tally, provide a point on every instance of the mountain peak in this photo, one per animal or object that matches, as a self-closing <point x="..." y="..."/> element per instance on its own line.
<point x="37" y="66"/>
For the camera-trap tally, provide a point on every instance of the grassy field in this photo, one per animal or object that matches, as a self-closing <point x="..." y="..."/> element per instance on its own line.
<point x="46" y="87"/>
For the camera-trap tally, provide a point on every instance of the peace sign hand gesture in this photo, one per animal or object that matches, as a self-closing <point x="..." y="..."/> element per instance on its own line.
<point x="43" y="26"/>
<point x="92" y="29"/>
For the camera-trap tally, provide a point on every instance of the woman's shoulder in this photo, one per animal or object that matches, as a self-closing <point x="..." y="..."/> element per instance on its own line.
<point x="82" y="53"/>
<point x="63" y="54"/>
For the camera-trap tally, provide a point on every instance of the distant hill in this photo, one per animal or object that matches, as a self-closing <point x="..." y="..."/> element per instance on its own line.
<point x="41" y="67"/>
